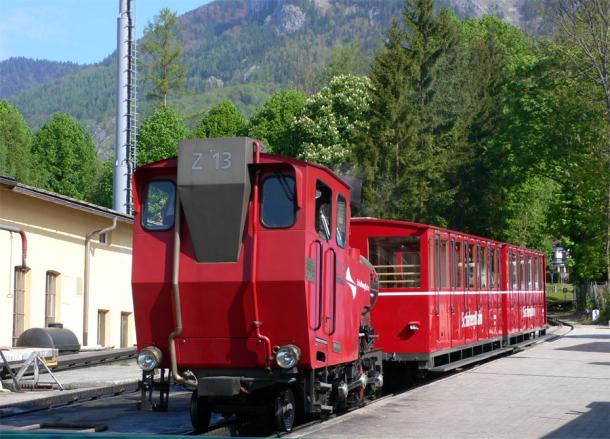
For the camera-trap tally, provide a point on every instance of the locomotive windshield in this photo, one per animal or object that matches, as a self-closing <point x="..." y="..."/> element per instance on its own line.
<point x="159" y="205"/>
<point x="279" y="201"/>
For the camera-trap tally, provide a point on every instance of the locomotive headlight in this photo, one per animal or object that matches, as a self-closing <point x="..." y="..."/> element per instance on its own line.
<point x="149" y="358"/>
<point x="288" y="356"/>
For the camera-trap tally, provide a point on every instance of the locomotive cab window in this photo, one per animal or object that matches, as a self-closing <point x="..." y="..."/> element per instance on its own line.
<point x="324" y="210"/>
<point x="341" y="221"/>
<point x="279" y="207"/>
<point x="159" y="206"/>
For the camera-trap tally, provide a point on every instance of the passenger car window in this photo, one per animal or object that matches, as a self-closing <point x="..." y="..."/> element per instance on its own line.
<point x="278" y="209"/>
<point x="396" y="260"/>
<point x="159" y="206"/>
<point x="341" y="221"/>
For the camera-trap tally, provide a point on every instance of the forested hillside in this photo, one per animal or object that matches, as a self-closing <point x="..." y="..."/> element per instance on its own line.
<point x="18" y="74"/>
<point x="241" y="50"/>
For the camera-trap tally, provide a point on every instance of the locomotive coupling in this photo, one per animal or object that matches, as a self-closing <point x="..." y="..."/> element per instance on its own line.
<point x="288" y="356"/>
<point x="149" y="358"/>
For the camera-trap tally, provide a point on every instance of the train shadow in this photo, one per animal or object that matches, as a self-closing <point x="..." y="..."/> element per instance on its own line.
<point x="594" y="424"/>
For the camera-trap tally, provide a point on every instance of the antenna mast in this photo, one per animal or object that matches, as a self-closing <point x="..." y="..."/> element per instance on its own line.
<point x="126" y="108"/>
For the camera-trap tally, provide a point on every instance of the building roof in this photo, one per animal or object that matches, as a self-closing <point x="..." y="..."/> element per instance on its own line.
<point x="63" y="200"/>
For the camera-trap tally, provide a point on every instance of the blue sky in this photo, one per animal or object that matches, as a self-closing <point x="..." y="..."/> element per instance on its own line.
<point x="82" y="31"/>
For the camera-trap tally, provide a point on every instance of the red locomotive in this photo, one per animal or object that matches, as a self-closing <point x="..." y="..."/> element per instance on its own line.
<point x="250" y="284"/>
<point x="245" y="285"/>
<point x="447" y="298"/>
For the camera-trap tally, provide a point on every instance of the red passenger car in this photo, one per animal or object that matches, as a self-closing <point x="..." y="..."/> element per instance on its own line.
<point x="245" y="284"/>
<point x="447" y="298"/>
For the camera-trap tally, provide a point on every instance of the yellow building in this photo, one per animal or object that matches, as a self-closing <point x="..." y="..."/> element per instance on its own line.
<point x="59" y="281"/>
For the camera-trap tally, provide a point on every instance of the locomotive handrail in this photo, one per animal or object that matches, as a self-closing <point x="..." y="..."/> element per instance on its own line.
<point x="320" y="284"/>
<point x="334" y="290"/>
<point x="180" y="379"/>
<point x="255" y="218"/>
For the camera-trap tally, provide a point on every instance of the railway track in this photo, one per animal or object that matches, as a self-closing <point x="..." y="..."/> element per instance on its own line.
<point x="84" y="359"/>
<point x="307" y="428"/>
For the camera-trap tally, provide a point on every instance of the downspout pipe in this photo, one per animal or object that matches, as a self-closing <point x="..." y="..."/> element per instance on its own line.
<point x="24" y="242"/>
<point x="178" y="377"/>
<point x="87" y="276"/>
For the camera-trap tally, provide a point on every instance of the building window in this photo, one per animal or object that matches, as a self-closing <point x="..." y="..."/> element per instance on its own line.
<point x="19" y="299"/>
<point x="51" y="294"/>
<point x="125" y="318"/>
<point x="102" y="326"/>
<point x="104" y="239"/>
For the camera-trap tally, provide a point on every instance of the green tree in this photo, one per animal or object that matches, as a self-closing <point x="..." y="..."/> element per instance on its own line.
<point x="272" y="123"/>
<point x="346" y="59"/>
<point x="101" y="191"/>
<point x="494" y="57"/>
<point x="406" y="151"/>
<point x="162" y="55"/>
<point x="15" y="143"/>
<point x="65" y="156"/>
<point x="585" y="27"/>
<point x="332" y="119"/>
<point x="223" y="120"/>
<point x="159" y="135"/>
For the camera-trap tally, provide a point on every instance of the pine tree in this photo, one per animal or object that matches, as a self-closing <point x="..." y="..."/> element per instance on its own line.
<point x="164" y="52"/>
<point x="405" y="154"/>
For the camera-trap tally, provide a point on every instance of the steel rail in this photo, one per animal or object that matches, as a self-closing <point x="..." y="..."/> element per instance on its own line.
<point x="86" y="359"/>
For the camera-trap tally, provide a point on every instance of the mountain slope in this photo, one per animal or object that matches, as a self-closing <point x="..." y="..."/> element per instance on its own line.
<point x="18" y="74"/>
<point x="238" y="49"/>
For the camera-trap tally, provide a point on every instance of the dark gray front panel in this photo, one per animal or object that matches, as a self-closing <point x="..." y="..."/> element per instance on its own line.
<point x="214" y="184"/>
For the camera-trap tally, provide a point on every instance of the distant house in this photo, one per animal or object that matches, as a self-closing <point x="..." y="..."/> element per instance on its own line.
<point x="52" y="287"/>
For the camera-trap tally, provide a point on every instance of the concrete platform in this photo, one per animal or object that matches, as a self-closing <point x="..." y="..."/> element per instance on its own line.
<point x="117" y="414"/>
<point x="82" y="383"/>
<point x="556" y="389"/>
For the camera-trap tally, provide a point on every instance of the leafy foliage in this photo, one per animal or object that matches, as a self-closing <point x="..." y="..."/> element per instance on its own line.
<point x="101" y="191"/>
<point x="159" y="135"/>
<point x="15" y="143"/>
<point x="406" y="152"/>
<point x="272" y="123"/>
<point x="65" y="156"/>
<point x="223" y="120"/>
<point x="331" y="120"/>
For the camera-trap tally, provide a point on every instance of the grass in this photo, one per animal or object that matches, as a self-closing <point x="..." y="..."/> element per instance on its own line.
<point x="555" y="292"/>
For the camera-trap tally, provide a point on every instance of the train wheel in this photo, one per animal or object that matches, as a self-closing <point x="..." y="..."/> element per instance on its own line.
<point x="200" y="413"/>
<point x="284" y="409"/>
